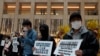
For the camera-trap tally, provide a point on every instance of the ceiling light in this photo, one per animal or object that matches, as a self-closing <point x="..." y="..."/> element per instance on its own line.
<point x="41" y="6"/>
<point x="89" y="7"/>
<point x="57" y="7"/>
<point x="11" y="6"/>
<point x="72" y="7"/>
<point x="26" y="6"/>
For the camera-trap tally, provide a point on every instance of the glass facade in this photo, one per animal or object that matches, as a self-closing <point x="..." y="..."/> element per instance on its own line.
<point x="40" y="9"/>
<point x="57" y="9"/>
<point x="91" y="8"/>
<point x="54" y="13"/>
<point x="9" y="8"/>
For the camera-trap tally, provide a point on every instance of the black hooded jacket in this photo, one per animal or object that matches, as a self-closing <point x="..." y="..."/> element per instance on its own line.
<point x="44" y="30"/>
<point x="89" y="45"/>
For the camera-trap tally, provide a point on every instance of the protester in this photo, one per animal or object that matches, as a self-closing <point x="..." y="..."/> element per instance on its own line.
<point x="28" y="38"/>
<point x="7" y="47"/>
<point x="15" y="45"/>
<point x="44" y="31"/>
<point x="89" y="45"/>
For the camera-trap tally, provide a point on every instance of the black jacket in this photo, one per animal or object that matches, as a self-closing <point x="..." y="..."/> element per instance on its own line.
<point x="44" y="30"/>
<point x="89" y="45"/>
<point x="53" y="46"/>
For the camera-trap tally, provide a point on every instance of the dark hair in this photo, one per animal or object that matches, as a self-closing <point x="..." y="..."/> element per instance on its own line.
<point x="75" y="15"/>
<point x="44" y="26"/>
<point x="27" y="23"/>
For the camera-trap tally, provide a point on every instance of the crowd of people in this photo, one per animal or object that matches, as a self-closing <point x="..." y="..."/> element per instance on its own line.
<point x="23" y="44"/>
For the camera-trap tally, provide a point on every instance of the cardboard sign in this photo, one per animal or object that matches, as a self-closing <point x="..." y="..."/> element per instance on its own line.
<point x="67" y="47"/>
<point x="43" y="48"/>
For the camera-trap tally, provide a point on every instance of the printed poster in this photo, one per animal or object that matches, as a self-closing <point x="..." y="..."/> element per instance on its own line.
<point x="67" y="47"/>
<point x="43" y="48"/>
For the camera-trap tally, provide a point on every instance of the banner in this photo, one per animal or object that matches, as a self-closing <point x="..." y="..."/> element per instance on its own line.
<point x="67" y="47"/>
<point x="43" y="48"/>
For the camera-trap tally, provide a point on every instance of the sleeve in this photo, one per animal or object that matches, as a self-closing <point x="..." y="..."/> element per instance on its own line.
<point x="65" y="36"/>
<point x="54" y="46"/>
<point x="93" y="46"/>
<point x="31" y="39"/>
<point x="21" y="39"/>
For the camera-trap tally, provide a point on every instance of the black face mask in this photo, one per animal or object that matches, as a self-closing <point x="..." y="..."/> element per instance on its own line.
<point x="44" y="30"/>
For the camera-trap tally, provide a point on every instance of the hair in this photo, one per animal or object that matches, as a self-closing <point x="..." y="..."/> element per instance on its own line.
<point x="75" y="15"/>
<point x="27" y="23"/>
<point x="44" y="26"/>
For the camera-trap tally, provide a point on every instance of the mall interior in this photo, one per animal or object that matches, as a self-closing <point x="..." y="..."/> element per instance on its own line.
<point x="54" y="13"/>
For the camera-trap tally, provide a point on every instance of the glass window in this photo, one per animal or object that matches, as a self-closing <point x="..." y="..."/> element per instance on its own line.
<point x="37" y="23"/>
<point x="25" y="8"/>
<point x="6" y="26"/>
<point x="73" y="7"/>
<point x="55" y="23"/>
<point x="57" y="9"/>
<point x="91" y="9"/>
<point x="40" y="9"/>
<point x="9" y="8"/>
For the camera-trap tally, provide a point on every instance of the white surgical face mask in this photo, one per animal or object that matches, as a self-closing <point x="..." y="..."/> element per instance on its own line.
<point x="76" y="24"/>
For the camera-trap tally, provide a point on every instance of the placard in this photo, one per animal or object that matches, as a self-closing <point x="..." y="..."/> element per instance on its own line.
<point x="67" y="47"/>
<point x="43" y="48"/>
<point x="2" y="42"/>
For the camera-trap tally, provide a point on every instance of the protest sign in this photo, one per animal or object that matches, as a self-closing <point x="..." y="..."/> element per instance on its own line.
<point x="43" y="48"/>
<point x="15" y="44"/>
<point x="67" y="47"/>
<point x="2" y="42"/>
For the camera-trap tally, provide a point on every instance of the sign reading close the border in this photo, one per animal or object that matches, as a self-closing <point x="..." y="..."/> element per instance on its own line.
<point x="43" y="48"/>
<point x="67" y="47"/>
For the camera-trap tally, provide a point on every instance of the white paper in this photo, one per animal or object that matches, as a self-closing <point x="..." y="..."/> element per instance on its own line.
<point x="15" y="49"/>
<point x="67" y="47"/>
<point x="2" y="42"/>
<point x="43" y="48"/>
<point x="15" y="46"/>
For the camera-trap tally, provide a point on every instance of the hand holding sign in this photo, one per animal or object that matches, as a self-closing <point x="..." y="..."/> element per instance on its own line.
<point x="79" y="52"/>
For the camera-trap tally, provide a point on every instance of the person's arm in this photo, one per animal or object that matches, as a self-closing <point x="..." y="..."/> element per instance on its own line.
<point x="31" y="39"/>
<point x="93" y="46"/>
<point x="54" y="46"/>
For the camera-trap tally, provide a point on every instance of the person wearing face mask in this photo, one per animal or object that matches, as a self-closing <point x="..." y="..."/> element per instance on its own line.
<point x="29" y="36"/>
<point x="89" y="45"/>
<point x="44" y="31"/>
